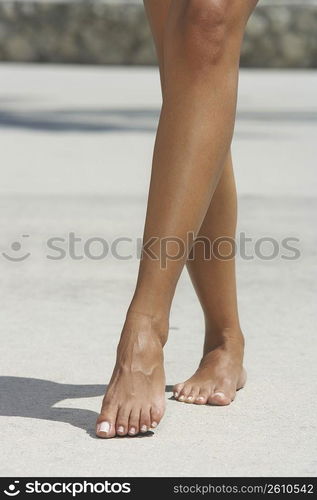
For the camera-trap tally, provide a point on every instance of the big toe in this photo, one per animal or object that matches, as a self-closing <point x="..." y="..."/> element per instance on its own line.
<point x="105" y="426"/>
<point x="220" y="398"/>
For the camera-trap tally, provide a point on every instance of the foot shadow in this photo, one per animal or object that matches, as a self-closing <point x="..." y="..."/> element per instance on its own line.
<point x="36" y="398"/>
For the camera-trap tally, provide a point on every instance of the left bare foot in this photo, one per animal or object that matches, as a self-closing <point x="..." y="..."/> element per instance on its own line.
<point x="219" y="376"/>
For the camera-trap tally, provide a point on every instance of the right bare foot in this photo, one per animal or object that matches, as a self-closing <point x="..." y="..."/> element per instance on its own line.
<point x="135" y="398"/>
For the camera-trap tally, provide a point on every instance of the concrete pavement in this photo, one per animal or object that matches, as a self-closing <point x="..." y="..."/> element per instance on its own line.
<point x="76" y="146"/>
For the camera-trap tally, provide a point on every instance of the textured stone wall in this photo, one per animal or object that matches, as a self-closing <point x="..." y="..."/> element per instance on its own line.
<point x="279" y="34"/>
<point x="282" y="34"/>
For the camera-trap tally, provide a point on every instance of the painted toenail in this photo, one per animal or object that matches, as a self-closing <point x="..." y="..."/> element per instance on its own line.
<point x="189" y="398"/>
<point x="181" y="398"/>
<point x="144" y="428"/>
<point x="220" y="394"/>
<point x="132" y="430"/>
<point x="120" y="429"/>
<point x="200" y="398"/>
<point x="104" y="427"/>
<point x="154" y="424"/>
<point x="175" y="394"/>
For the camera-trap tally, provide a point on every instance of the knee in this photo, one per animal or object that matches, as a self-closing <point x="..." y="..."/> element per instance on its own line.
<point x="205" y="27"/>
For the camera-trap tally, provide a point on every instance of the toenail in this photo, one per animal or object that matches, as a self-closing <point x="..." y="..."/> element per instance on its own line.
<point x="120" y="429"/>
<point x="189" y="398"/>
<point x="103" y="427"/>
<point x="200" y="398"/>
<point x="132" y="430"/>
<point x="154" y="424"/>
<point x="175" y="394"/>
<point x="181" y="398"/>
<point x="220" y="394"/>
<point x="144" y="428"/>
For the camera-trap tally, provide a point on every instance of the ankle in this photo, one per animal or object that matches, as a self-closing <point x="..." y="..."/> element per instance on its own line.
<point x="225" y="337"/>
<point x="155" y="324"/>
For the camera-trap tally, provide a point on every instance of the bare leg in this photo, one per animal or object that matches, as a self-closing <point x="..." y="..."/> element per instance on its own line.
<point x="221" y="372"/>
<point x="201" y="49"/>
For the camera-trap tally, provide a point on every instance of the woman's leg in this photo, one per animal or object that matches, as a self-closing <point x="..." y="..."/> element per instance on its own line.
<point x="221" y="372"/>
<point x="202" y="44"/>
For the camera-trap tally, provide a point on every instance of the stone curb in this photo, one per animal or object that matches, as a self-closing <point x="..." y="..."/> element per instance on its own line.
<point x="279" y="35"/>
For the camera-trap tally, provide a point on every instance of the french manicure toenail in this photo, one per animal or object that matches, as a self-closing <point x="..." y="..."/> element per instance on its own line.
<point x="104" y="427"/>
<point x="144" y="428"/>
<point x="221" y="394"/>
<point x="121" y="429"/>
<point x="132" y="430"/>
<point x="154" y="424"/>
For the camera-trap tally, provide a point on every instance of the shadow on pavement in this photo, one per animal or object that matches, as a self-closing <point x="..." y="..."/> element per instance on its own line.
<point x="105" y="120"/>
<point x="82" y="120"/>
<point x="35" y="398"/>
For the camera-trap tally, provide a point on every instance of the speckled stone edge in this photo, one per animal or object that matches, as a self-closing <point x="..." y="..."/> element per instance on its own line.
<point x="277" y="36"/>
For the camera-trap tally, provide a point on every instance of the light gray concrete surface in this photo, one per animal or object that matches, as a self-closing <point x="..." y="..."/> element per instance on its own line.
<point x="75" y="148"/>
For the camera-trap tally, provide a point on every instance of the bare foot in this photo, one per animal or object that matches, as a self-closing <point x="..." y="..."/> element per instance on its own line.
<point x="219" y="375"/>
<point x="135" y="398"/>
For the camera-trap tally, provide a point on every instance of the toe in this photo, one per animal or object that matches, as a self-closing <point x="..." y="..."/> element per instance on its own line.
<point x="191" y="398"/>
<point x="185" y="392"/>
<point x="105" y="426"/>
<point x="220" y="398"/>
<point x="145" y="420"/>
<point x="122" y="423"/>
<point x="177" y="390"/>
<point x="156" y="415"/>
<point x="134" y="422"/>
<point x="202" y="397"/>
